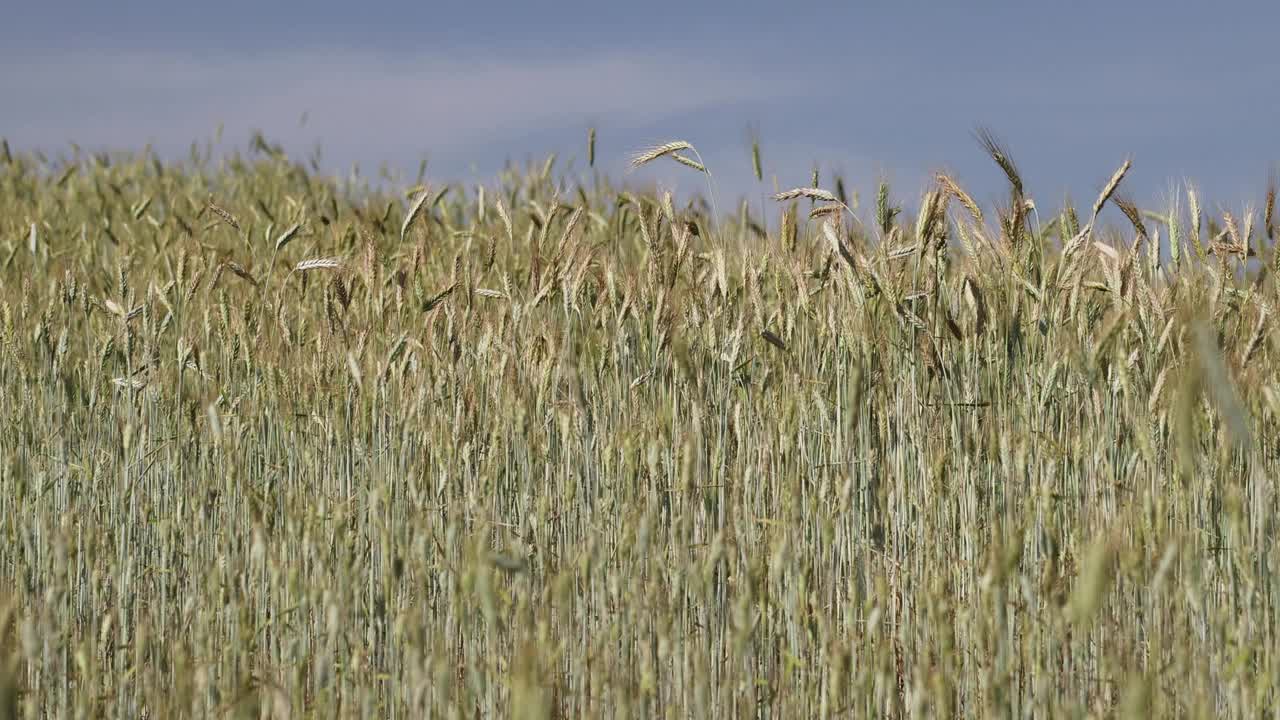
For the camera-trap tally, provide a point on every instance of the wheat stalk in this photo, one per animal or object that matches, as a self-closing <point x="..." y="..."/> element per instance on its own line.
<point x="820" y="211"/>
<point x="953" y="189"/>
<point x="569" y="227"/>
<point x="1193" y="201"/>
<point x="773" y="340"/>
<point x="1131" y="212"/>
<point x="648" y="155"/>
<point x="689" y="162"/>
<point x="812" y="193"/>
<point x="757" y="165"/>
<point x="239" y="271"/>
<point x="1269" y="209"/>
<point x="226" y="217"/>
<point x="1109" y="189"/>
<point x="1255" y="340"/>
<point x="1001" y="157"/>
<point x="317" y="264"/>
<point x="413" y="212"/>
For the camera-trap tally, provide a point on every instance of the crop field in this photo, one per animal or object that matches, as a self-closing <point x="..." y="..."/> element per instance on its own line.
<point x="274" y="444"/>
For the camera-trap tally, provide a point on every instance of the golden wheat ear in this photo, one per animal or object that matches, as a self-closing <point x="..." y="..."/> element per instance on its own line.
<point x="812" y="193"/>
<point x="648" y="155"/>
<point x="1109" y="189"/>
<point x="952" y="188"/>
<point x="317" y="264"/>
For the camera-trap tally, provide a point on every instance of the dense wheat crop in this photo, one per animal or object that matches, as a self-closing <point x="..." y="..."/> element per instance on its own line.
<point x="274" y="445"/>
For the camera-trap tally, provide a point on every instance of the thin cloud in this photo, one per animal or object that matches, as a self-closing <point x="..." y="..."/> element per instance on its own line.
<point x="365" y="101"/>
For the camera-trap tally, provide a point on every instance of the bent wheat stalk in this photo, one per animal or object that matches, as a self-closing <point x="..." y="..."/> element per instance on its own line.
<point x="648" y="155"/>
<point x="673" y="148"/>
<point x="814" y="193"/>
<point x="321" y="263"/>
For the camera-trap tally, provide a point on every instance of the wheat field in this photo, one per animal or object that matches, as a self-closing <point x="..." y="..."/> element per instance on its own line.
<point x="277" y="445"/>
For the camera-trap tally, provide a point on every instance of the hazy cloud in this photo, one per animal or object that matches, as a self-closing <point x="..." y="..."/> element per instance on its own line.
<point x="371" y="101"/>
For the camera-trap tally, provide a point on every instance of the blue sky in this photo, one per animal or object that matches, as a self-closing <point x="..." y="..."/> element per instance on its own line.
<point x="1188" y="90"/>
